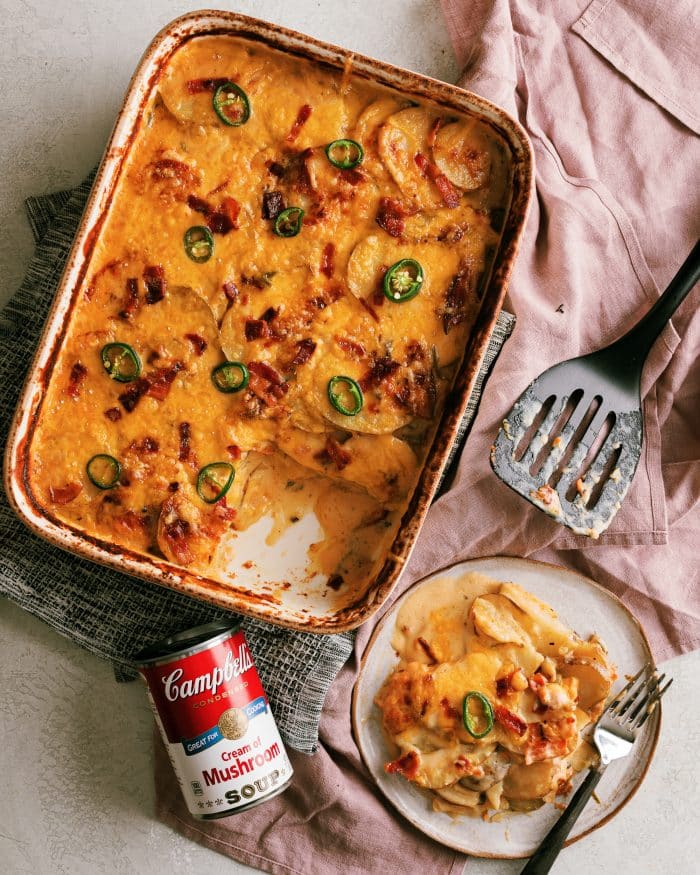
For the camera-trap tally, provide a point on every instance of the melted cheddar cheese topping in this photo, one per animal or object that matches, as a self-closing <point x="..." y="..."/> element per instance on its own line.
<point x="545" y="685"/>
<point x="295" y="310"/>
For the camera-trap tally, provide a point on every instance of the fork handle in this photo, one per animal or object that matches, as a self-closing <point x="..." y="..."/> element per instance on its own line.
<point x="543" y="858"/>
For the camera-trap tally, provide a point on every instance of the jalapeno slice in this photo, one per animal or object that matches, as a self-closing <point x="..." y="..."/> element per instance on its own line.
<point x="121" y="362"/>
<point x="104" y="471"/>
<point x="231" y="104"/>
<point x="341" y="389"/>
<point x="468" y="718"/>
<point x="199" y="243"/>
<point x="214" y="481"/>
<point x="345" y="154"/>
<point x="403" y="280"/>
<point x="230" y="377"/>
<point x="289" y="222"/>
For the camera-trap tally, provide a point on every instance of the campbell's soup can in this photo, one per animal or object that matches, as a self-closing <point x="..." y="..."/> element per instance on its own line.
<point x="215" y="720"/>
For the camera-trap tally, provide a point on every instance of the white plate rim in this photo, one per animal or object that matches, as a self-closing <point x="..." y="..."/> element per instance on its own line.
<point x="465" y="566"/>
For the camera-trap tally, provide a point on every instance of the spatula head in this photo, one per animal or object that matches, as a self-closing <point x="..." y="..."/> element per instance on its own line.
<point x="570" y="455"/>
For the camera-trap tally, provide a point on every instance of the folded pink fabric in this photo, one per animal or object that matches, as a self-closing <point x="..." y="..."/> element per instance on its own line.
<point x="608" y="93"/>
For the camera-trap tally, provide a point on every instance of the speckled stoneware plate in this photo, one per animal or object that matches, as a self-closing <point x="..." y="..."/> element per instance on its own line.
<point x="585" y="607"/>
<point x="276" y="587"/>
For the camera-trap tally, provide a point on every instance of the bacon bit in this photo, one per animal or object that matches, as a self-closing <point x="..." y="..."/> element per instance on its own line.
<point x="335" y="581"/>
<point x="269" y="315"/>
<point x="153" y="356"/>
<point x="130" y="521"/>
<point x="454" y="310"/>
<point x="267" y="372"/>
<point x="327" y="265"/>
<point x="509" y="720"/>
<point x="223" y="512"/>
<point x="114" y="414"/>
<point x="185" y="433"/>
<point x="65" y="494"/>
<point x="391" y="216"/>
<point x="77" y="374"/>
<point x="503" y="687"/>
<point x="231" y="291"/>
<point x="199" y="344"/>
<point x="220" y="187"/>
<point x="176" y="534"/>
<point x="161" y="380"/>
<point x="369" y="308"/>
<point x="448" y="192"/>
<point x="248" y="564"/>
<point x="302" y="117"/>
<point x="434" y="128"/>
<point x="428" y="650"/>
<point x="221" y="220"/>
<point x="265" y="383"/>
<point x="463" y="763"/>
<point x="277" y="169"/>
<point x="540" y="747"/>
<point x="234" y="451"/>
<point x="407" y="765"/>
<point x="131" y="302"/>
<point x="133" y="394"/>
<point x="417" y="394"/>
<point x="449" y="712"/>
<point x="147" y="445"/>
<point x="255" y="329"/>
<point x="334" y="453"/>
<point x="199" y="205"/>
<point x="352" y="176"/>
<point x="197" y="86"/>
<point x="382" y="368"/>
<point x="305" y="349"/>
<point x="536" y="681"/>
<point x="355" y="349"/>
<point x="272" y="204"/>
<point x="171" y="169"/>
<point x="297" y="174"/>
<point x="174" y="486"/>
<point x="154" y="277"/>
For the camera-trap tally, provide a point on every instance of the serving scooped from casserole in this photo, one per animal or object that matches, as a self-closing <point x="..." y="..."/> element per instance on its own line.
<point x="488" y="706"/>
<point x="272" y="316"/>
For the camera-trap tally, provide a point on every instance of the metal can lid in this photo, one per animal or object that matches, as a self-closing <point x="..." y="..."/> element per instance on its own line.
<point x="185" y="643"/>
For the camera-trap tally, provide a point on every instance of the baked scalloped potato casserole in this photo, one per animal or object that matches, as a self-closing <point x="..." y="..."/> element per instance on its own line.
<point x="488" y="705"/>
<point x="273" y="313"/>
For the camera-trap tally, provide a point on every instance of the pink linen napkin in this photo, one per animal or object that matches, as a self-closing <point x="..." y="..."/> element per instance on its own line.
<point x="607" y="91"/>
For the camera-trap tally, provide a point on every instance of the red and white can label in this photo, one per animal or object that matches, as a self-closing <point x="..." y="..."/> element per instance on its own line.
<point x="218" y="729"/>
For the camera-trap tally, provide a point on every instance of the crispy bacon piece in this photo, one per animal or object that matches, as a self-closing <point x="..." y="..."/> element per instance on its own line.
<point x="135" y="391"/>
<point x="540" y="746"/>
<point x="327" y="260"/>
<point x="335" y="454"/>
<point x="197" y="86"/>
<point x="510" y="720"/>
<point x="114" y="414"/>
<point x="335" y="581"/>
<point x="392" y="214"/>
<point x="454" y="311"/>
<point x="296" y="174"/>
<point x="449" y="712"/>
<point x="221" y="220"/>
<point x="276" y="169"/>
<point x="305" y="349"/>
<point x="448" y="192"/>
<point x="382" y="367"/>
<point x="176" y="534"/>
<point x="434" y="128"/>
<point x="199" y="344"/>
<point x="355" y="349"/>
<point x="302" y="117"/>
<point x="77" y="374"/>
<point x="417" y="393"/>
<point x="231" y="291"/>
<point x="272" y="204"/>
<point x="406" y="765"/>
<point x="162" y="379"/>
<point x="255" y="329"/>
<point x="145" y="446"/>
<point x="65" y="494"/>
<point x="185" y="435"/>
<point x="154" y="278"/>
<point x="265" y="383"/>
<point x="503" y="687"/>
<point x="269" y="315"/>
<point x="177" y="172"/>
<point x="428" y="650"/>
<point x="234" y="451"/>
<point x="370" y="309"/>
<point x="131" y="301"/>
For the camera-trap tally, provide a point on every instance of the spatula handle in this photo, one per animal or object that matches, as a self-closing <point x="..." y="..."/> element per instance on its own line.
<point x="642" y="336"/>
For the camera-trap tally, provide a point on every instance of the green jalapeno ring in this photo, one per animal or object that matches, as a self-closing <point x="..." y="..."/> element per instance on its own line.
<point x="469" y="720"/>
<point x="199" y="243"/>
<point x="98" y="473"/>
<point x="289" y="222"/>
<point x="403" y="280"/>
<point x="353" y="389"/>
<point x="114" y="355"/>
<point x="230" y="377"/>
<point x="346" y="146"/>
<point x="207" y="475"/>
<point x="229" y="95"/>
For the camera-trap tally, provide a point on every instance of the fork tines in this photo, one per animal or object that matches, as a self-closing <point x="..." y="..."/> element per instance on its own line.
<point x="633" y="705"/>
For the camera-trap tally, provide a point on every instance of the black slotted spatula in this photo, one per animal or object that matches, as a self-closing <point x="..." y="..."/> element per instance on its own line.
<point x="571" y="443"/>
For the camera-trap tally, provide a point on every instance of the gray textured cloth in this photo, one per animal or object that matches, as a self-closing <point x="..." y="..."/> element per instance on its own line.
<point x="108" y="613"/>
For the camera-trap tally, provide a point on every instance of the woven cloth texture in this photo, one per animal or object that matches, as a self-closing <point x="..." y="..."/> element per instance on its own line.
<point x="111" y="614"/>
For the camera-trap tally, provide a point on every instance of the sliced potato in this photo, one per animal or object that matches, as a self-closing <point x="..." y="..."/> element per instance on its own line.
<point x="534" y="781"/>
<point x="496" y="624"/>
<point x="459" y="795"/>
<point x="401" y="138"/>
<point x="461" y="152"/>
<point x="594" y="680"/>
